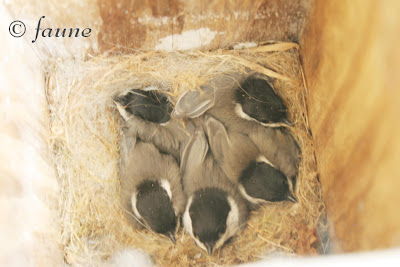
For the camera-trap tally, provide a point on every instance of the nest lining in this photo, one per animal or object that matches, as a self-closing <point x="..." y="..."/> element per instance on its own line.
<point x="85" y="128"/>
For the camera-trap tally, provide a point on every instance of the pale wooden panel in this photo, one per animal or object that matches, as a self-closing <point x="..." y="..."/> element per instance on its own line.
<point x="352" y="66"/>
<point x="130" y="25"/>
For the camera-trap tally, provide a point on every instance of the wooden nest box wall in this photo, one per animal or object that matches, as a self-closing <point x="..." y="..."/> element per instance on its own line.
<point x="350" y="63"/>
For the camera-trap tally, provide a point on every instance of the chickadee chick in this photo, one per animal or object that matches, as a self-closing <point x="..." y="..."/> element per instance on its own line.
<point x="261" y="182"/>
<point x="252" y="98"/>
<point x="279" y="147"/>
<point x="148" y="116"/>
<point x="152" y="106"/>
<point x="276" y="144"/>
<point x="258" y="180"/>
<point x="215" y="210"/>
<point x="151" y="190"/>
<point x="256" y="100"/>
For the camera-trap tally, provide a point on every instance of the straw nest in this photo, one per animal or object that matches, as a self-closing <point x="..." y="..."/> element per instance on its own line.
<point x="85" y="132"/>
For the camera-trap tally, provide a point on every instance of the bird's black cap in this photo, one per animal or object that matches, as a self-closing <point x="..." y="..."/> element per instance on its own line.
<point x="209" y="211"/>
<point x="262" y="181"/>
<point x="152" y="106"/>
<point x="155" y="207"/>
<point x="259" y="101"/>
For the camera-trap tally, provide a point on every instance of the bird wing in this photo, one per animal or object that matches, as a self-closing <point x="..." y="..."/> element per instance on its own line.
<point x="195" y="152"/>
<point x="192" y="104"/>
<point x="218" y="138"/>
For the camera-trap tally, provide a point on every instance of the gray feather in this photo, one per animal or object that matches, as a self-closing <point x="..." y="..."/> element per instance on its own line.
<point x="232" y="150"/>
<point x="193" y="104"/>
<point x="167" y="138"/>
<point x="194" y="153"/>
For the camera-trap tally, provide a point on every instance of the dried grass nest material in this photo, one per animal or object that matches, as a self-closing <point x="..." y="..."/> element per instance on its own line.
<point x="85" y="132"/>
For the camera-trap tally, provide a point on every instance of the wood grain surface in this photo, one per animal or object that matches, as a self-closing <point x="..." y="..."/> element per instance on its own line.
<point x="136" y="25"/>
<point x="351" y="60"/>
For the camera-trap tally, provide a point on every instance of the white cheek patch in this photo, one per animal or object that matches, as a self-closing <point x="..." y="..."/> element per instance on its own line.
<point x="232" y="223"/>
<point x="165" y="184"/>
<point x="272" y="125"/>
<point x="122" y="111"/>
<point x="250" y="198"/>
<point x="187" y="224"/>
<point x="150" y="88"/>
<point x="134" y="208"/>
<point x="239" y="111"/>
<point x="165" y="123"/>
<point x="201" y="245"/>
<point x="261" y="158"/>
<point x="187" y="221"/>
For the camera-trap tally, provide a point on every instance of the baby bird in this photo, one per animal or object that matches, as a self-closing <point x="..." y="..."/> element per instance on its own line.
<point x="148" y="116"/>
<point x="252" y="98"/>
<point x="276" y="144"/>
<point x="152" y="106"/>
<point x="261" y="182"/>
<point x="258" y="180"/>
<point x="151" y="190"/>
<point x="279" y="147"/>
<point x="256" y="100"/>
<point x="215" y="210"/>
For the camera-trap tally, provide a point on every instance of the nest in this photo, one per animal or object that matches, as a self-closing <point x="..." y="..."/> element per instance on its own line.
<point x="85" y="132"/>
